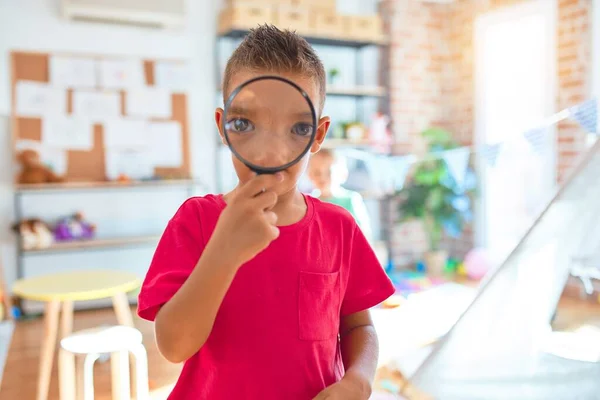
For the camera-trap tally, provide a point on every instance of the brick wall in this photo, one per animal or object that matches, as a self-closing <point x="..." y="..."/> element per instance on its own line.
<point x="431" y="78"/>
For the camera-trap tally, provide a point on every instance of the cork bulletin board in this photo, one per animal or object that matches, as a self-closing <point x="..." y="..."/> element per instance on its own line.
<point x="89" y="165"/>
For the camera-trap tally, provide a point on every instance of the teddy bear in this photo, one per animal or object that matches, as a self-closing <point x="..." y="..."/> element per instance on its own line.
<point x="33" y="171"/>
<point x="35" y="234"/>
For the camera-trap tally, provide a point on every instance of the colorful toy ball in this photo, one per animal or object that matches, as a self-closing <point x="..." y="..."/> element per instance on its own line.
<point x="477" y="263"/>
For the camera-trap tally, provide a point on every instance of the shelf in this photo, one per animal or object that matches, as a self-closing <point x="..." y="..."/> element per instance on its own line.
<point x="84" y="186"/>
<point x="359" y="91"/>
<point x="78" y="245"/>
<point x="324" y="41"/>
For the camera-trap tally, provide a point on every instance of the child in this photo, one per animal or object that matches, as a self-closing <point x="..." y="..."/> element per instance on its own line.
<point x="327" y="172"/>
<point x="264" y="292"/>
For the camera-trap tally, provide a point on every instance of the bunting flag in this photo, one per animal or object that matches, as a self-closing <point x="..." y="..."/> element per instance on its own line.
<point x="490" y="153"/>
<point x="586" y="115"/>
<point x="537" y="139"/>
<point x="457" y="161"/>
<point x="400" y="166"/>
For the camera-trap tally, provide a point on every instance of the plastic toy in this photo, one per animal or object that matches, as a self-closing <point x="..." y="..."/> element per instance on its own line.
<point x="477" y="263"/>
<point x="74" y="228"/>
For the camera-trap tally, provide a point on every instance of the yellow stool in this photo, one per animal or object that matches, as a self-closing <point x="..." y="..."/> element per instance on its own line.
<point x="62" y="289"/>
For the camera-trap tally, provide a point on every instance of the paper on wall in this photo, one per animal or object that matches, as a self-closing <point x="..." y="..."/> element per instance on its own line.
<point x="97" y="106"/>
<point x="53" y="158"/>
<point x="172" y="75"/>
<point x="148" y="102"/>
<point x="36" y="99"/>
<point x="67" y="132"/>
<point x="73" y="72"/>
<point x="136" y="164"/>
<point x="167" y="143"/>
<point x="126" y="133"/>
<point x="122" y="74"/>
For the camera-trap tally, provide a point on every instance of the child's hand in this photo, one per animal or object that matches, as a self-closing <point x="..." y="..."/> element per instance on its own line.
<point x="246" y="226"/>
<point x="346" y="389"/>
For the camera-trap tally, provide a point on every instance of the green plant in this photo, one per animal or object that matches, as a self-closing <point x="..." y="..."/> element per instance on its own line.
<point x="432" y="195"/>
<point x="332" y="74"/>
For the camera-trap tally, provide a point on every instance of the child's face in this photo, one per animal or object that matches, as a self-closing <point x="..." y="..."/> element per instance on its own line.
<point x="291" y="175"/>
<point x="319" y="172"/>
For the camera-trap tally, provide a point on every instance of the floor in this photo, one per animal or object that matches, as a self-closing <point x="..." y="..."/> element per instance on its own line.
<point x="21" y="368"/>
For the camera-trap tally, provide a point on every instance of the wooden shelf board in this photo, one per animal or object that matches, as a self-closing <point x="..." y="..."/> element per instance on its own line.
<point x="45" y="187"/>
<point x="236" y="33"/>
<point x="94" y="244"/>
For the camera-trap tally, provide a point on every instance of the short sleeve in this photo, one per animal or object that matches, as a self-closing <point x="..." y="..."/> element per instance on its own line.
<point x="367" y="283"/>
<point x="175" y="257"/>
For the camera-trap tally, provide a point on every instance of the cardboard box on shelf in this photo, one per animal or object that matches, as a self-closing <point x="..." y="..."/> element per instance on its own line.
<point x="316" y="5"/>
<point x="363" y="27"/>
<point x="245" y="16"/>
<point x="268" y="3"/>
<point x="294" y="18"/>
<point x="326" y="24"/>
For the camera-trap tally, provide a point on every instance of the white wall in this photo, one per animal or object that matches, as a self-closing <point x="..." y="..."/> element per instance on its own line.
<point x="596" y="49"/>
<point x="35" y="25"/>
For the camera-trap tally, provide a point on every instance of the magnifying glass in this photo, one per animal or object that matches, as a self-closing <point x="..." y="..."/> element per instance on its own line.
<point x="269" y="123"/>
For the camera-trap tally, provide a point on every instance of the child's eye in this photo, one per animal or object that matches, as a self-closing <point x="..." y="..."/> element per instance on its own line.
<point x="302" y="129"/>
<point x="239" y="125"/>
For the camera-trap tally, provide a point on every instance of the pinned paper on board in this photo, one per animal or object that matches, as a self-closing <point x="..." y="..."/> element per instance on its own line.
<point x="148" y="103"/>
<point x="36" y="99"/>
<point x="126" y="133"/>
<point x="67" y="132"/>
<point x="172" y="75"/>
<point x="122" y="74"/>
<point x="167" y="143"/>
<point x="97" y="106"/>
<point x="53" y="158"/>
<point x="73" y="72"/>
<point x="135" y="164"/>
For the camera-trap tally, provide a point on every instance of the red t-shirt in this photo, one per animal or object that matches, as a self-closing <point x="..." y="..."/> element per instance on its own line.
<point x="275" y="335"/>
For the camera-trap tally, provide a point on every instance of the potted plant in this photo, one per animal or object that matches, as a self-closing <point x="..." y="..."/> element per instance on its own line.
<point x="432" y="195"/>
<point x="333" y="74"/>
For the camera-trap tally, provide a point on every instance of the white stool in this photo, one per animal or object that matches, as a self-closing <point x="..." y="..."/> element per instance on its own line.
<point x="119" y="341"/>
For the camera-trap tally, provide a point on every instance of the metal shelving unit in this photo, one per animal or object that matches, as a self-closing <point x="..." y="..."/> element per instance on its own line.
<point x="96" y="244"/>
<point x="359" y="92"/>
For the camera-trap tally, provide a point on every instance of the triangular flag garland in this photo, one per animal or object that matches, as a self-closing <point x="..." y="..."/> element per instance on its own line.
<point x="457" y="161"/>
<point x="537" y="139"/>
<point x="490" y="152"/>
<point x="400" y="166"/>
<point x="389" y="172"/>
<point x="586" y="115"/>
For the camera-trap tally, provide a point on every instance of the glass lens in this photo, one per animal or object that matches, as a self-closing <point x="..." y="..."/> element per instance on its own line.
<point x="269" y="123"/>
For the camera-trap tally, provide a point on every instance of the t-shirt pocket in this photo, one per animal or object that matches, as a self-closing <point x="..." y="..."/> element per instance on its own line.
<point x="318" y="305"/>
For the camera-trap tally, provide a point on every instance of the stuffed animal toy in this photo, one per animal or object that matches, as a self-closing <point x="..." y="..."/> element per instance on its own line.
<point x="33" y="171"/>
<point x="74" y="228"/>
<point x="35" y="234"/>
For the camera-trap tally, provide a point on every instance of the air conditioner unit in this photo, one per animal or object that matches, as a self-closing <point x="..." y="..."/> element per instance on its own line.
<point x="152" y="13"/>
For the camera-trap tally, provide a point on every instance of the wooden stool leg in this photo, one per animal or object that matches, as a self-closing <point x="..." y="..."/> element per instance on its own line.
<point x="51" y="315"/>
<point x="66" y="319"/>
<point x="122" y="310"/>
<point x="119" y="365"/>
<point x="141" y="372"/>
<point x="66" y="375"/>
<point x="124" y="317"/>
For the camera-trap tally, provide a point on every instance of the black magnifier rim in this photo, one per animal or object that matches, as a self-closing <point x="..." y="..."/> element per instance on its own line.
<point x="256" y="168"/>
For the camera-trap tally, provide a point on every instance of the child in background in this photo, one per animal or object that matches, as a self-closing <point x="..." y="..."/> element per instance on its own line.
<point x="264" y="292"/>
<point x="327" y="172"/>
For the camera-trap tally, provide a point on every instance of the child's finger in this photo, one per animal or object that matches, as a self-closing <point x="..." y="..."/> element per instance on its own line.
<point x="259" y="184"/>
<point x="263" y="201"/>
